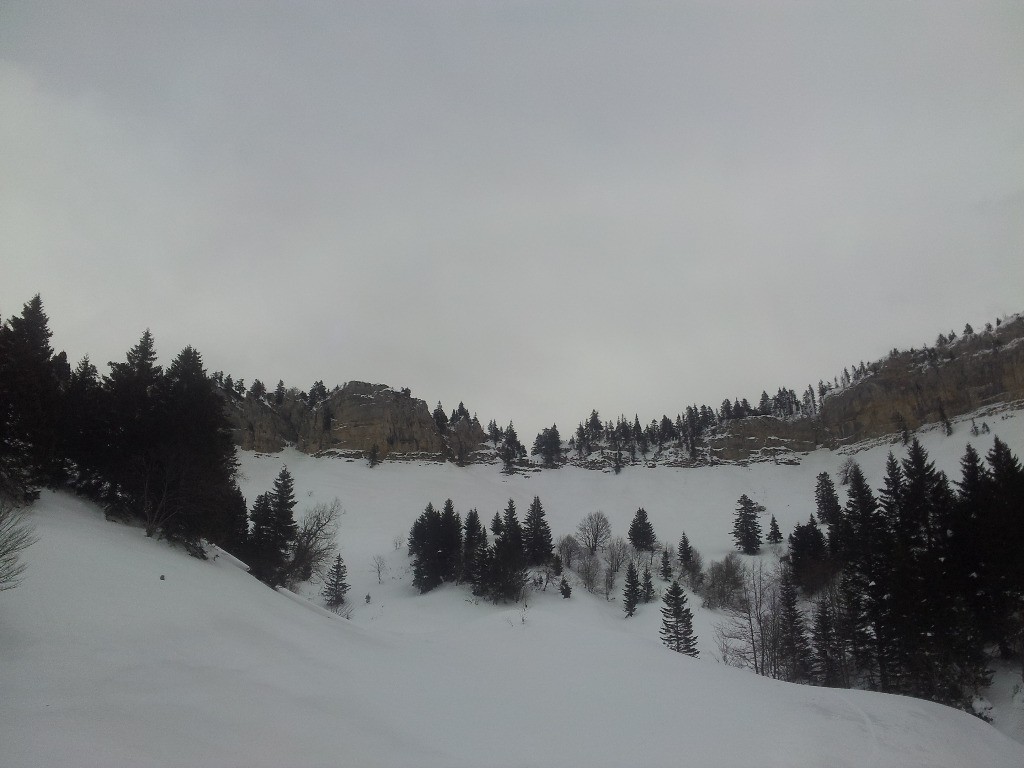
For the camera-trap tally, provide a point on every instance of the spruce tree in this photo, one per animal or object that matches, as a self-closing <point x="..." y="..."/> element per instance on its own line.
<point x="335" y="587"/>
<point x="29" y="404"/>
<point x="641" y="532"/>
<point x="631" y="592"/>
<point x="865" y="585"/>
<point x="537" y="535"/>
<point x="794" y="650"/>
<point x="666" y="566"/>
<point x="474" y="535"/>
<point x="265" y="557"/>
<point x="282" y="499"/>
<point x="827" y="501"/>
<point x="746" y="530"/>
<point x="647" y="587"/>
<point x="684" y="553"/>
<point x="509" y="565"/>
<point x="774" y="534"/>
<point x="677" y="622"/>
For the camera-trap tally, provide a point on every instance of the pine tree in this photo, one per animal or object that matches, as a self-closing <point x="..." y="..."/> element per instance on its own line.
<point x="794" y="650"/>
<point x="827" y="650"/>
<point x="449" y="542"/>
<point x="565" y="589"/>
<point x="265" y="557"/>
<point x="647" y="588"/>
<point x="509" y="566"/>
<point x="282" y="499"/>
<point x="474" y="535"/>
<point x="631" y="592"/>
<point x="808" y="556"/>
<point x="865" y="585"/>
<point x="774" y="534"/>
<point x="537" y="535"/>
<point x="684" y="553"/>
<point x="746" y="530"/>
<point x="29" y="403"/>
<point x="677" y="622"/>
<point x="641" y="532"/>
<point x="666" y="565"/>
<point x="335" y="587"/>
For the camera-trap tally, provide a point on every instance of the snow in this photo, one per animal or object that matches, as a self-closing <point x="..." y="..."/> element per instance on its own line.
<point x="105" y="664"/>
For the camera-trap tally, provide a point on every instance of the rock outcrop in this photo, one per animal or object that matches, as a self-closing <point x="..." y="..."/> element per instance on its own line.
<point x="353" y="420"/>
<point x="904" y="392"/>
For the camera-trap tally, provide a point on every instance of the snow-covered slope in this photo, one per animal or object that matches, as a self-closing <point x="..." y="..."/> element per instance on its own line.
<point x="103" y="663"/>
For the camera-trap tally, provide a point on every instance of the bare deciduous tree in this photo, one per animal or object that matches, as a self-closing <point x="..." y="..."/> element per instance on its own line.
<point x="588" y="570"/>
<point x="616" y="554"/>
<point x="608" y="583"/>
<point x="15" y="537"/>
<point x="380" y="567"/>
<point x="314" y="544"/>
<point x="749" y="637"/>
<point x="568" y="549"/>
<point x="594" y="531"/>
<point x="723" y="583"/>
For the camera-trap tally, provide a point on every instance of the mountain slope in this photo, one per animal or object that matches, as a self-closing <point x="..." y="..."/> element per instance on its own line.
<point x="105" y="663"/>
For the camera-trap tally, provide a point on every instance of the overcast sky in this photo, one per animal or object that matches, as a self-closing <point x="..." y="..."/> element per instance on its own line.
<point x="538" y="208"/>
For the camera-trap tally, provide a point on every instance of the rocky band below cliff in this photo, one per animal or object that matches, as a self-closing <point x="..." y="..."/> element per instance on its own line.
<point x="899" y="394"/>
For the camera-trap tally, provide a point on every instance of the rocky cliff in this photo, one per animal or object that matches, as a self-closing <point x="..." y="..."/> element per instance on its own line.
<point x="352" y="421"/>
<point x="905" y="391"/>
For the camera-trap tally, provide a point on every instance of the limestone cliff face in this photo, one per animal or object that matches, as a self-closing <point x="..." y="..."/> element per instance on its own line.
<point x="917" y="388"/>
<point x="766" y="438"/>
<point x="908" y="390"/>
<point x="352" y="420"/>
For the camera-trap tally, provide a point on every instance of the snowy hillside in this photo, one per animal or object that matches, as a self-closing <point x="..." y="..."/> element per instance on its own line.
<point x="118" y="650"/>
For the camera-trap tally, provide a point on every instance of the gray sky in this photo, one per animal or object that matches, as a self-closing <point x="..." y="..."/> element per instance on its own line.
<point x="536" y="207"/>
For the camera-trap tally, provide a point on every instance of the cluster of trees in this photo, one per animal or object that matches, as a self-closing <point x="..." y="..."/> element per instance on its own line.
<point x="147" y="443"/>
<point x="447" y="550"/>
<point x="909" y="585"/>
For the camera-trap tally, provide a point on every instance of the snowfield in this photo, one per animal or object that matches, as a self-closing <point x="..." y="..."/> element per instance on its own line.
<point x="105" y="663"/>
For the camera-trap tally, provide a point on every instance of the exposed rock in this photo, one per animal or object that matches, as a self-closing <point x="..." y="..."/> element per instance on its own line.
<point x="765" y="438"/>
<point x="913" y="389"/>
<point x="906" y="391"/>
<point x="351" y="421"/>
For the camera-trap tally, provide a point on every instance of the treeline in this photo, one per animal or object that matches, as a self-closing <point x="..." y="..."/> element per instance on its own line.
<point x="910" y="585"/>
<point x="447" y="549"/>
<point x="147" y="444"/>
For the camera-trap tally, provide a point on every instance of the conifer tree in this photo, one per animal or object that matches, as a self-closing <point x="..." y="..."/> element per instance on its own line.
<point x="794" y="650"/>
<point x="508" y="570"/>
<point x="450" y="542"/>
<point x="282" y="499"/>
<point x="865" y="585"/>
<point x="537" y="535"/>
<point x="666" y="565"/>
<point x="647" y="587"/>
<point x="565" y="589"/>
<point x="335" y="586"/>
<point x="746" y="530"/>
<point x="774" y="534"/>
<point x="827" y="650"/>
<point x="641" y="532"/>
<point x="677" y="622"/>
<point x="29" y="403"/>
<point x="474" y="535"/>
<point x="827" y="501"/>
<point x="631" y="592"/>
<point x="265" y="557"/>
<point x="684" y="553"/>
